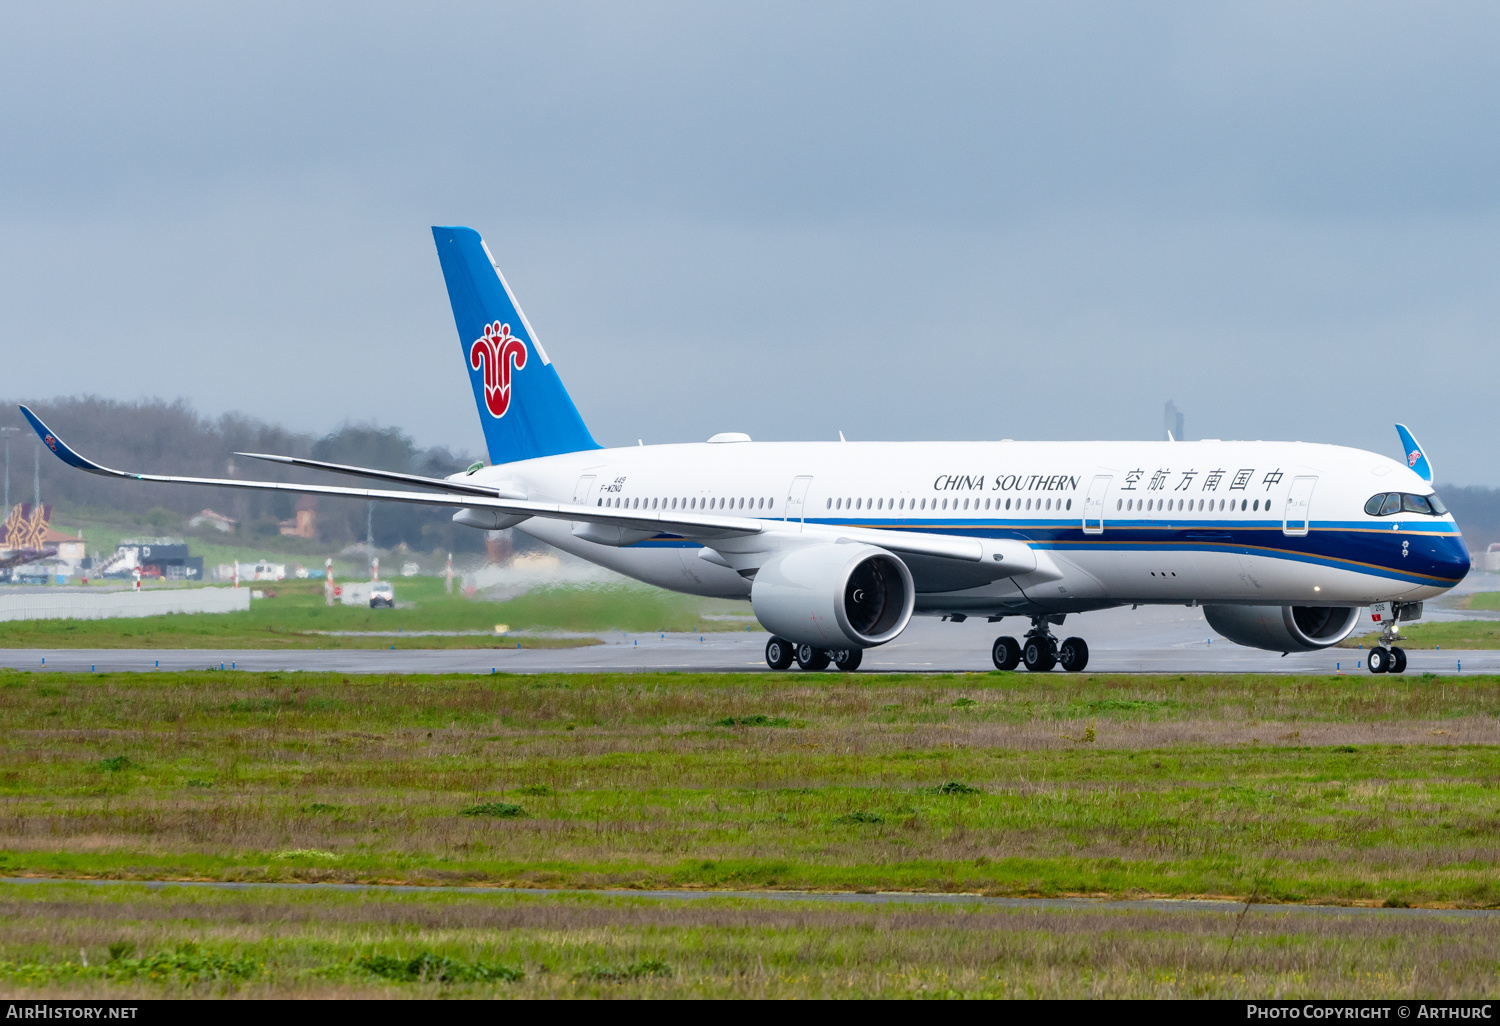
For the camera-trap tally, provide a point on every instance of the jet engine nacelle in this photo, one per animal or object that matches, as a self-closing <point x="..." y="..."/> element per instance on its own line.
<point x="1283" y="628"/>
<point x="834" y="596"/>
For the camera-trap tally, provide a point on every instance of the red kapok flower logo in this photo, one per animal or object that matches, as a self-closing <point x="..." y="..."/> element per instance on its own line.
<point x="51" y="443"/>
<point x="1412" y="457"/>
<point x="496" y="353"/>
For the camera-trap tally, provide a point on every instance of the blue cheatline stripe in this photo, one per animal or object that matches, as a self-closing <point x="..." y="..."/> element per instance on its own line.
<point x="1327" y="545"/>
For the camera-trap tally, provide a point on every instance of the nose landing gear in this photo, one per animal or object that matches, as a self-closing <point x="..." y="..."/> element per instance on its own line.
<point x="1386" y="657"/>
<point x="1041" y="651"/>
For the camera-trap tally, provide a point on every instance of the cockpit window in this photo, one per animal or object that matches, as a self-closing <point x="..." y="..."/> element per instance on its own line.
<point x="1387" y="503"/>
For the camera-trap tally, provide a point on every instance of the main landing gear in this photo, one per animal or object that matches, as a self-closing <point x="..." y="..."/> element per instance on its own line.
<point x="1041" y="651"/>
<point x="780" y="653"/>
<point x="1386" y="657"/>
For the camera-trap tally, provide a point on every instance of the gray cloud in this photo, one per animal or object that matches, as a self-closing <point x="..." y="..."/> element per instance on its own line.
<point x="901" y="221"/>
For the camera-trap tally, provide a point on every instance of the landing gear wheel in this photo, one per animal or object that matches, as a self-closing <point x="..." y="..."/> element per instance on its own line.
<point x="1073" y="655"/>
<point x="1040" y="654"/>
<point x="1379" y="660"/>
<point x="1398" y="661"/>
<point x="778" y="653"/>
<point x="1006" y="652"/>
<point x="809" y="658"/>
<point x="848" y="659"/>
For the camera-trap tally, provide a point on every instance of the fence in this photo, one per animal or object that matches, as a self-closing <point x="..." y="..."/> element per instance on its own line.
<point x="79" y="605"/>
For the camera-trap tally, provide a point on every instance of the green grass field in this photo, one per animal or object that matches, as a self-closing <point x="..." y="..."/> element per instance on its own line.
<point x="1481" y="600"/>
<point x="1347" y="790"/>
<point x="296" y="616"/>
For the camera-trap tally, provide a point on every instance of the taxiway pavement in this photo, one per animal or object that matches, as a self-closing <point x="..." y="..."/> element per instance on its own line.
<point x="1151" y="639"/>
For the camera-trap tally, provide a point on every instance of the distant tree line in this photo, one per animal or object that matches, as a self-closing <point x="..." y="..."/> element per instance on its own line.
<point x="172" y="438"/>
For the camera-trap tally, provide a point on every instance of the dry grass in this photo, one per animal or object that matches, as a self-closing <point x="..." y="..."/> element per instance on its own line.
<point x="278" y="944"/>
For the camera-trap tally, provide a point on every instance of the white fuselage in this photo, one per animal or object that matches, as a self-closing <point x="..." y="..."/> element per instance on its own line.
<point x="1123" y="522"/>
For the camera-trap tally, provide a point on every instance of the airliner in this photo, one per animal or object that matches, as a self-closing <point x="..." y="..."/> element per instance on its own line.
<point x="837" y="545"/>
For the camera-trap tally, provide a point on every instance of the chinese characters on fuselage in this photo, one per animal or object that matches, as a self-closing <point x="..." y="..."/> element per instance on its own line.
<point x="1160" y="479"/>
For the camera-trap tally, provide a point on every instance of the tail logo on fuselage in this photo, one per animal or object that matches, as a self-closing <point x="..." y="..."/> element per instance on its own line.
<point x="496" y="353"/>
<point x="1412" y="457"/>
<point x="51" y="443"/>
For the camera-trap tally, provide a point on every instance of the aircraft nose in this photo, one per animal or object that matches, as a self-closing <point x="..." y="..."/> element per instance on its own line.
<point x="1451" y="555"/>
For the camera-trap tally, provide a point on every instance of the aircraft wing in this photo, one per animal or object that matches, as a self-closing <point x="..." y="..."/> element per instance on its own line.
<point x="1000" y="557"/>
<point x="443" y="483"/>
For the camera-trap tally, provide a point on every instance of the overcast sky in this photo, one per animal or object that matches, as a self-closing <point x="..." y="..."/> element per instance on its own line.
<point x="901" y="221"/>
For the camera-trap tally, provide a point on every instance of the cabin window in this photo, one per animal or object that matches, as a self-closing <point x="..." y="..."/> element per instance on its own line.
<point x="1256" y="507"/>
<point x="945" y="503"/>
<point x="1028" y="503"/>
<point x="1007" y="504"/>
<point x="1070" y="503"/>
<point x="1119" y="505"/>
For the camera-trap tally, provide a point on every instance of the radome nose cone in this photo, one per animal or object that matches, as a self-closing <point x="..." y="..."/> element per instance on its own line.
<point x="1452" y="558"/>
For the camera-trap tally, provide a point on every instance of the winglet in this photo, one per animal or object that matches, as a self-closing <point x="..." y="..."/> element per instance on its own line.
<point x="1415" y="458"/>
<point x="56" y="444"/>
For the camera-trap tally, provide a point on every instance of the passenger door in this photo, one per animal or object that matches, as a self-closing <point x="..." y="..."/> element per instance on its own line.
<point x="1298" y="504"/>
<point x="1093" y="505"/>
<point x="582" y="489"/>
<point x="796" y="498"/>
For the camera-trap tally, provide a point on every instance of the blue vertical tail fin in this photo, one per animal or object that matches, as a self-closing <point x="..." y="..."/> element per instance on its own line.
<point x="523" y="407"/>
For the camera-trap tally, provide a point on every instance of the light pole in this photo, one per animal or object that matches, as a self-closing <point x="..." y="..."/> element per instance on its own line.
<point x="7" y="432"/>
